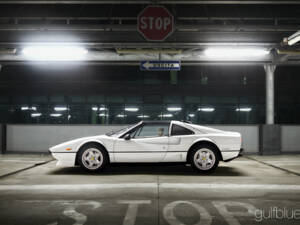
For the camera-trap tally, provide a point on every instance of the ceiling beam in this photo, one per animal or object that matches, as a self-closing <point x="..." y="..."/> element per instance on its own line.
<point x="182" y="28"/>
<point x="165" y="2"/>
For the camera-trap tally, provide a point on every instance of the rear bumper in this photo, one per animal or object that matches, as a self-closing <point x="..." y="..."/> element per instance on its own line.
<point x="240" y="153"/>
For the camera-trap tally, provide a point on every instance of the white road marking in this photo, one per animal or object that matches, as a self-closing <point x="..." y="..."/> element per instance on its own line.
<point x="231" y="186"/>
<point x="168" y="212"/>
<point x="230" y="216"/>
<point x="70" y="209"/>
<point x="21" y="161"/>
<point x="70" y="187"/>
<point x="131" y="213"/>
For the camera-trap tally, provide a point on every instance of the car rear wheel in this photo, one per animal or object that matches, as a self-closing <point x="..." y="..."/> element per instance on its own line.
<point x="204" y="158"/>
<point x="92" y="158"/>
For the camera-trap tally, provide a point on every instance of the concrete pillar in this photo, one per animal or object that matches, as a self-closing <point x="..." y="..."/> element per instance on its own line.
<point x="2" y="138"/>
<point x="270" y="134"/>
<point x="270" y="90"/>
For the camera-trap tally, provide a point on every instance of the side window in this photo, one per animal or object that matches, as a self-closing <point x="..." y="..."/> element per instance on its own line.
<point x="133" y="132"/>
<point x="178" y="130"/>
<point x="152" y="130"/>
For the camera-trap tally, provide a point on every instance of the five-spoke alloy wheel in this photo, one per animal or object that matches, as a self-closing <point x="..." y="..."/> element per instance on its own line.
<point x="92" y="157"/>
<point x="204" y="158"/>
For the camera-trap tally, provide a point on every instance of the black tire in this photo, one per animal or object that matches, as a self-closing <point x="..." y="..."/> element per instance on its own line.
<point x="92" y="151"/>
<point x="213" y="156"/>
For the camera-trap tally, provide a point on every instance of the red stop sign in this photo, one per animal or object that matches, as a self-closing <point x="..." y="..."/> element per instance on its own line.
<point x="155" y="23"/>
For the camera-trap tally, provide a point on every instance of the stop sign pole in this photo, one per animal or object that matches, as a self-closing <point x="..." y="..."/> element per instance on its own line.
<point x="155" y="23"/>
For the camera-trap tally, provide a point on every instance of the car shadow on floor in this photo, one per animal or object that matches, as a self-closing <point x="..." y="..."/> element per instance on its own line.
<point x="148" y="169"/>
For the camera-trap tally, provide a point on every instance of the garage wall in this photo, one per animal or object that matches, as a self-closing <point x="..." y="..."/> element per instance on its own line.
<point x="250" y="135"/>
<point x="290" y="138"/>
<point x="38" y="138"/>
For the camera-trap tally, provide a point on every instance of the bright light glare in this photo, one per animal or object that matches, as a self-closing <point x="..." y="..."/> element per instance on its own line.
<point x="54" y="52"/>
<point x="60" y="108"/>
<point x="55" y="114"/>
<point x="235" y="52"/>
<point x="206" y="109"/>
<point x="166" y="115"/>
<point x="24" y="108"/>
<point x="131" y="109"/>
<point x="243" y="109"/>
<point x="174" y="109"/>
<point x="143" y="116"/>
<point x="36" y="114"/>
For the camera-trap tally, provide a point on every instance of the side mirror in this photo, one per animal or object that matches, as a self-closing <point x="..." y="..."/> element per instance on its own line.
<point x="127" y="137"/>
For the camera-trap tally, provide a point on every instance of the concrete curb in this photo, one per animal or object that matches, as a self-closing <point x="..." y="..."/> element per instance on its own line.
<point x="271" y="165"/>
<point x="25" y="168"/>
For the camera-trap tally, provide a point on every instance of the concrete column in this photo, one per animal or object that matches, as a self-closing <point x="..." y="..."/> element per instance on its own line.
<point x="2" y="138"/>
<point x="270" y="90"/>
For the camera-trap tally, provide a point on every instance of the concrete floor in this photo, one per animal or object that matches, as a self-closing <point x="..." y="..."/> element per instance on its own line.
<point x="239" y="192"/>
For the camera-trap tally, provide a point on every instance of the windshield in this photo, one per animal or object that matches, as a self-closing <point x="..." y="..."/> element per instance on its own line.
<point x="117" y="132"/>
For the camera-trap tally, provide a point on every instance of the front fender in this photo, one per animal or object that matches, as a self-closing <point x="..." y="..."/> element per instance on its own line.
<point x="88" y="141"/>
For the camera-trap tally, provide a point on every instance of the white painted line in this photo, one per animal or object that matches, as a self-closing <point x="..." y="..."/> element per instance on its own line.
<point x="231" y="186"/>
<point x="76" y="186"/>
<point x="21" y="161"/>
<point x="150" y="185"/>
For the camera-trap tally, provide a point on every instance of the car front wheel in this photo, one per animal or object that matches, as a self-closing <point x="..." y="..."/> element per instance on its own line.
<point x="204" y="158"/>
<point x="92" y="158"/>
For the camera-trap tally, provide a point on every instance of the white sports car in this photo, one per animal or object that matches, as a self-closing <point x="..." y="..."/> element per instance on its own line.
<point x="152" y="141"/>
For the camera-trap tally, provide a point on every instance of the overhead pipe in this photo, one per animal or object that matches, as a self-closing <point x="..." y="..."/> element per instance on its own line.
<point x="149" y="51"/>
<point x="166" y="2"/>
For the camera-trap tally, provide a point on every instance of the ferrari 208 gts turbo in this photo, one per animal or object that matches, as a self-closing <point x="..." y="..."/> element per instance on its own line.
<point x="152" y="142"/>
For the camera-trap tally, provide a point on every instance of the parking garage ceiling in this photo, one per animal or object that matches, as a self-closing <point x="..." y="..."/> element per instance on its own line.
<point x="109" y="29"/>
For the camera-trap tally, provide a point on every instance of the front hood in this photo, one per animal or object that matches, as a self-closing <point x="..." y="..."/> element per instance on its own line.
<point x="72" y="144"/>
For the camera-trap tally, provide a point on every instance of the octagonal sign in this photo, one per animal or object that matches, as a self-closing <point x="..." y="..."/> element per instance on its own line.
<point x="155" y="23"/>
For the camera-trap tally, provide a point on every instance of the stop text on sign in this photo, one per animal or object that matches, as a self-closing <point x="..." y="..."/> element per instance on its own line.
<point x="155" y="23"/>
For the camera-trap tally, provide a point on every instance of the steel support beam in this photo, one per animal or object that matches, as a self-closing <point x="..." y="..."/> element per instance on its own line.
<point x="165" y="2"/>
<point x="270" y="91"/>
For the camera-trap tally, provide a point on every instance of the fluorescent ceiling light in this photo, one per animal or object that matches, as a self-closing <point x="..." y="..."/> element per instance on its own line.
<point x="36" y="114"/>
<point x="166" y="115"/>
<point x="235" y="52"/>
<point x="24" y="108"/>
<point x="143" y="116"/>
<point x="243" y="109"/>
<point x="191" y="115"/>
<point x="53" y="52"/>
<point x="55" y="114"/>
<point x="60" y="108"/>
<point x="131" y="109"/>
<point x="174" y="109"/>
<point x="293" y="39"/>
<point x="206" y="109"/>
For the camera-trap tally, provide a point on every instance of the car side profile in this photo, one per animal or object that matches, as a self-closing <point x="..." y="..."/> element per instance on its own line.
<point x="152" y="142"/>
